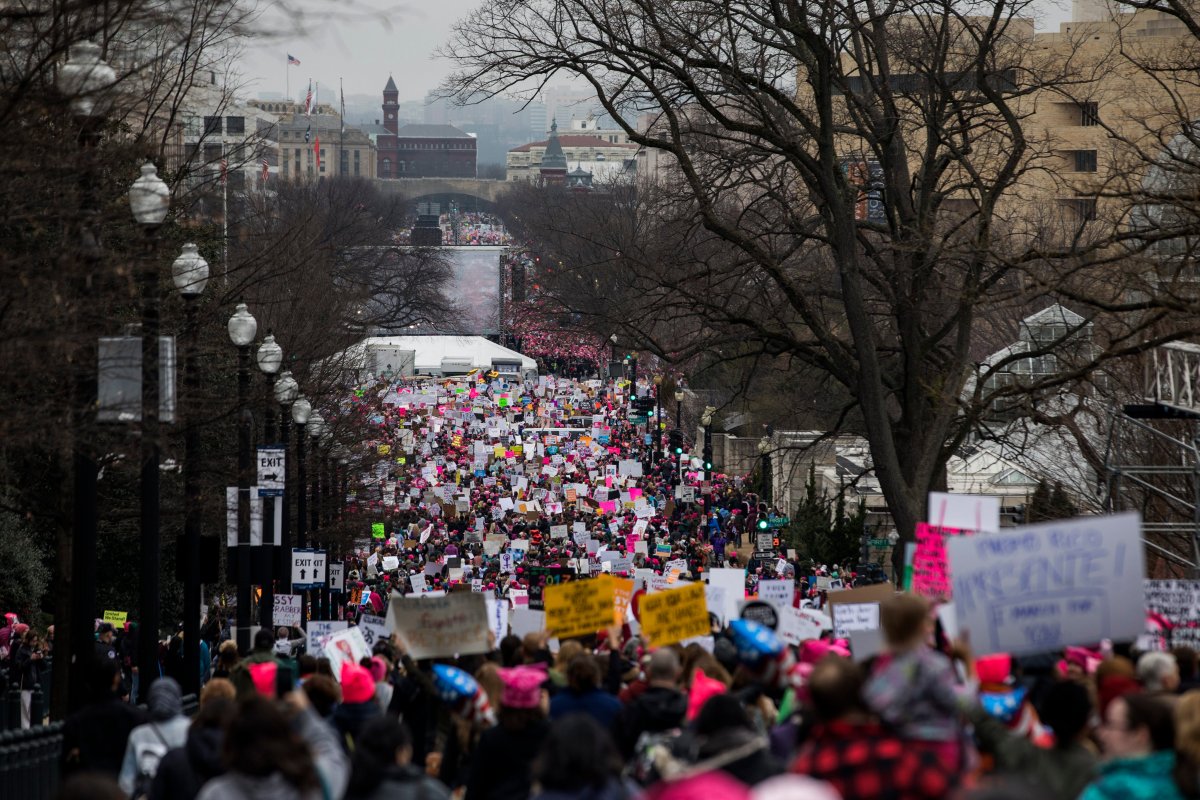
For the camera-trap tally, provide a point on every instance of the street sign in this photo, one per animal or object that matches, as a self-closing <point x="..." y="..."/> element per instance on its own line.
<point x="765" y="555"/>
<point x="764" y="541"/>
<point x="270" y="471"/>
<point x="308" y="568"/>
<point x="878" y="542"/>
<point x="778" y="522"/>
<point x="337" y="582"/>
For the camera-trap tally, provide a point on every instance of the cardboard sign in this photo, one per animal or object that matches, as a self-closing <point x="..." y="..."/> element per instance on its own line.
<point x="857" y="609"/>
<point x="579" y="608"/>
<point x="968" y="512"/>
<point x="286" y="610"/>
<point x="931" y="576"/>
<point x="1043" y="587"/>
<point x="433" y="627"/>
<point x="116" y="617"/>
<point x="672" y="616"/>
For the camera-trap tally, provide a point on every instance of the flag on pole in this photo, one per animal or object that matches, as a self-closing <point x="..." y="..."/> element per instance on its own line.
<point x="317" y="151"/>
<point x="293" y="61"/>
<point x="308" y="133"/>
<point x="342" y="92"/>
<point x="308" y="101"/>
<point x="266" y="172"/>
<point x="224" y="171"/>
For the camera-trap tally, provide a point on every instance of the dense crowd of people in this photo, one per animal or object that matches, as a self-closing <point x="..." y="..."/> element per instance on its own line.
<point x="502" y="489"/>
<point x="473" y="228"/>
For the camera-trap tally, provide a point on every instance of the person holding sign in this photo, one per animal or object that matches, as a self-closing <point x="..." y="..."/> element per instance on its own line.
<point x="913" y="687"/>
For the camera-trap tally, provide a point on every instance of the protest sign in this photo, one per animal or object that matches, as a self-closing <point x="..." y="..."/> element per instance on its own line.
<point x="857" y="609"/>
<point x="541" y="577"/>
<point x="116" y="617"/>
<point x="432" y="627"/>
<point x="287" y="610"/>
<point x="1178" y="604"/>
<point x="1042" y="587"/>
<point x="979" y="513"/>
<point x="497" y="611"/>
<point x="580" y="607"/>
<point x="346" y="646"/>
<point x="374" y="629"/>
<point x="778" y="593"/>
<point x="319" y="631"/>
<point x="930" y="577"/>
<point x="797" y="625"/>
<point x="733" y="581"/>
<point x="672" y="616"/>
<point x="525" y="620"/>
<point x="418" y="582"/>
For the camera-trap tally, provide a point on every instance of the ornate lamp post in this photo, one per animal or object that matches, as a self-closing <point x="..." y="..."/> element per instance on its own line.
<point x="242" y="330"/>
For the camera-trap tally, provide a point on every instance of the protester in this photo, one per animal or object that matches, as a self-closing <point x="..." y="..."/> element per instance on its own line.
<point x="578" y="761"/>
<point x="382" y="767"/>
<point x="359" y="704"/>
<point x="94" y="737"/>
<point x="661" y="707"/>
<point x="149" y="742"/>
<point x="503" y="761"/>
<point x="583" y="694"/>
<point x="1137" y="736"/>
<point x="185" y="770"/>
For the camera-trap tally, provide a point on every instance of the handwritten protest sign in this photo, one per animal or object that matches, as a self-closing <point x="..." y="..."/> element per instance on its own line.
<point x="287" y="609"/>
<point x="455" y="624"/>
<point x="931" y="577"/>
<point x="778" y="593"/>
<point x="116" y="617"/>
<point x="374" y="629"/>
<point x="1042" y="587"/>
<point x="579" y="608"/>
<point x="857" y="609"/>
<point x="797" y="625"/>
<point x="319" y="632"/>
<point x="672" y="616"/>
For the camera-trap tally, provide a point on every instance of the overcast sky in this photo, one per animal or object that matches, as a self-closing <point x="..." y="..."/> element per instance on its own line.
<point x="362" y="41"/>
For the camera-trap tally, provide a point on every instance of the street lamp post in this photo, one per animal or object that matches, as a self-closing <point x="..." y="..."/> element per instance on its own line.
<point x="707" y="421"/>
<point x="301" y="410"/>
<point x="612" y="356"/>
<point x="316" y="426"/>
<point x="286" y="392"/>
<point x="679" y="427"/>
<point x="269" y="359"/>
<point x="764" y="450"/>
<point x="656" y="439"/>
<point x="84" y="79"/>
<point x="189" y="273"/>
<point x="242" y="330"/>
<point x="149" y="200"/>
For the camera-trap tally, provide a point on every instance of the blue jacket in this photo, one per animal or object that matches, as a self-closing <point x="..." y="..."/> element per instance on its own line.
<point x="1141" y="778"/>
<point x="598" y="704"/>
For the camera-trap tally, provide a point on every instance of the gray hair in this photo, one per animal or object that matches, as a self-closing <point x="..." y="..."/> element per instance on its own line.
<point x="1153" y="668"/>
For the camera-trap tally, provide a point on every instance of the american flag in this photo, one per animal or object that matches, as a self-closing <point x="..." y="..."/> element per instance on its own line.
<point x="293" y="61"/>
<point x="266" y="171"/>
<point x="224" y="171"/>
<point x="308" y="101"/>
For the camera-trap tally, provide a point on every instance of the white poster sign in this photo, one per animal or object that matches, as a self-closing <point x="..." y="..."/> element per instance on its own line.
<point x="965" y="511"/>
<point x="286" y="610"/>
<point x="1042" y="587"/>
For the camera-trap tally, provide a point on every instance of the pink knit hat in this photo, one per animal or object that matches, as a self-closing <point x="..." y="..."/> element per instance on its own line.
<point x="357" y="684"/>
<point x="263" y="676"/>
<point x="703" y="688"/>
<point x="522" y="686"/>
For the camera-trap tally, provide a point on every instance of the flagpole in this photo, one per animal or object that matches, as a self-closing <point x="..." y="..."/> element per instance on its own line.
<point x="224" y="219"/>
<point x="341" y="127"/>
<point x="287" y="80"/>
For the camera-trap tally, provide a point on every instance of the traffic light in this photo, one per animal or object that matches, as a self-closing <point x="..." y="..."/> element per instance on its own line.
<point x="676" y="442"/>
<point x="708" y="462"/>
<point x="762" y="523"/>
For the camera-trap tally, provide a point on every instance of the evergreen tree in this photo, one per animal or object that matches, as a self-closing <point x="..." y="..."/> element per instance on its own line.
<point x="821" y="530"/>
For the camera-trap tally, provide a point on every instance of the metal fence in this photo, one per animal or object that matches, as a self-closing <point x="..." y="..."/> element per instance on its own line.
<point x="31" y="758"/>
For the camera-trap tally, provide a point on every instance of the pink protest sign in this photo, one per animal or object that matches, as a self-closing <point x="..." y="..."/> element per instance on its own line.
<point x="608" y="507"/>
<point x="931" y="574"/>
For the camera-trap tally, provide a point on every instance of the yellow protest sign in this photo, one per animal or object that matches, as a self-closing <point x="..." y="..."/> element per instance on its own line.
<point x="622" y="594"/>
<point x="672" y="616"/>
<point x="116" y="617"/>
<point x="578" y="608"/>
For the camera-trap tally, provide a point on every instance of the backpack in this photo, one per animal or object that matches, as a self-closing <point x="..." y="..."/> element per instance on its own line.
<point x="147" y="757"/>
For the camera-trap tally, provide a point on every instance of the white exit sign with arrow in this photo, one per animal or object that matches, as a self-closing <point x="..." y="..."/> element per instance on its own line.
<point x="271" y="461"/>
<point x="308" y="569"/>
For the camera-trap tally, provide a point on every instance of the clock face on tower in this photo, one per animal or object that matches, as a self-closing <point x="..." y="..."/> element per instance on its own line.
<point x="389" y="116"/>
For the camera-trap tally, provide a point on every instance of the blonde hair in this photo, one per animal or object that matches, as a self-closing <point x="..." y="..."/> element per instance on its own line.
<point x="217" y="689"/>
<point x="903" y="618"/>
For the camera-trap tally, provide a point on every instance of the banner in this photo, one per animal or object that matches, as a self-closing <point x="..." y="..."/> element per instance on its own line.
<point x="672" y="616"/>
<point x="579" y="608"/>
<point x="433" y="627"/>
<point x="1042" y="587"/>
<point x="1178" y="603"/>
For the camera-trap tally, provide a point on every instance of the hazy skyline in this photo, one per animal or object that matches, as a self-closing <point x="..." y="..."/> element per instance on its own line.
<point x="363" y="41"/>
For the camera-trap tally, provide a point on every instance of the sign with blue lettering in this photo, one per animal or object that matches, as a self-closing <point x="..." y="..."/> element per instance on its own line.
<point x="1043" y="587"/>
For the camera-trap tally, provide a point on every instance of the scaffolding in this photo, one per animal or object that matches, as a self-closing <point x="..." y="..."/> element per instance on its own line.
<point x="1152" y="456"/>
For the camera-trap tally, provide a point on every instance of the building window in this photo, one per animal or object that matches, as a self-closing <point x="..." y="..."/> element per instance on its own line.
<point x="1085" y="160"/>
<point x="191" y="127"/>
<point x="212" y="126"/>
<point x="1084" y="208"/>
<point x="385" y="168"/>
<point x="235" y="124"/>
<point x="1089" y="114"/>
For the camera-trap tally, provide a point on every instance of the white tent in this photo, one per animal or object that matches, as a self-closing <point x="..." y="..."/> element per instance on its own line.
<point x="437" y="355"/>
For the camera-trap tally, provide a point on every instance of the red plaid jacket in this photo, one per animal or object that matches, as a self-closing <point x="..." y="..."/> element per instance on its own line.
<point x="867" y="762"/>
